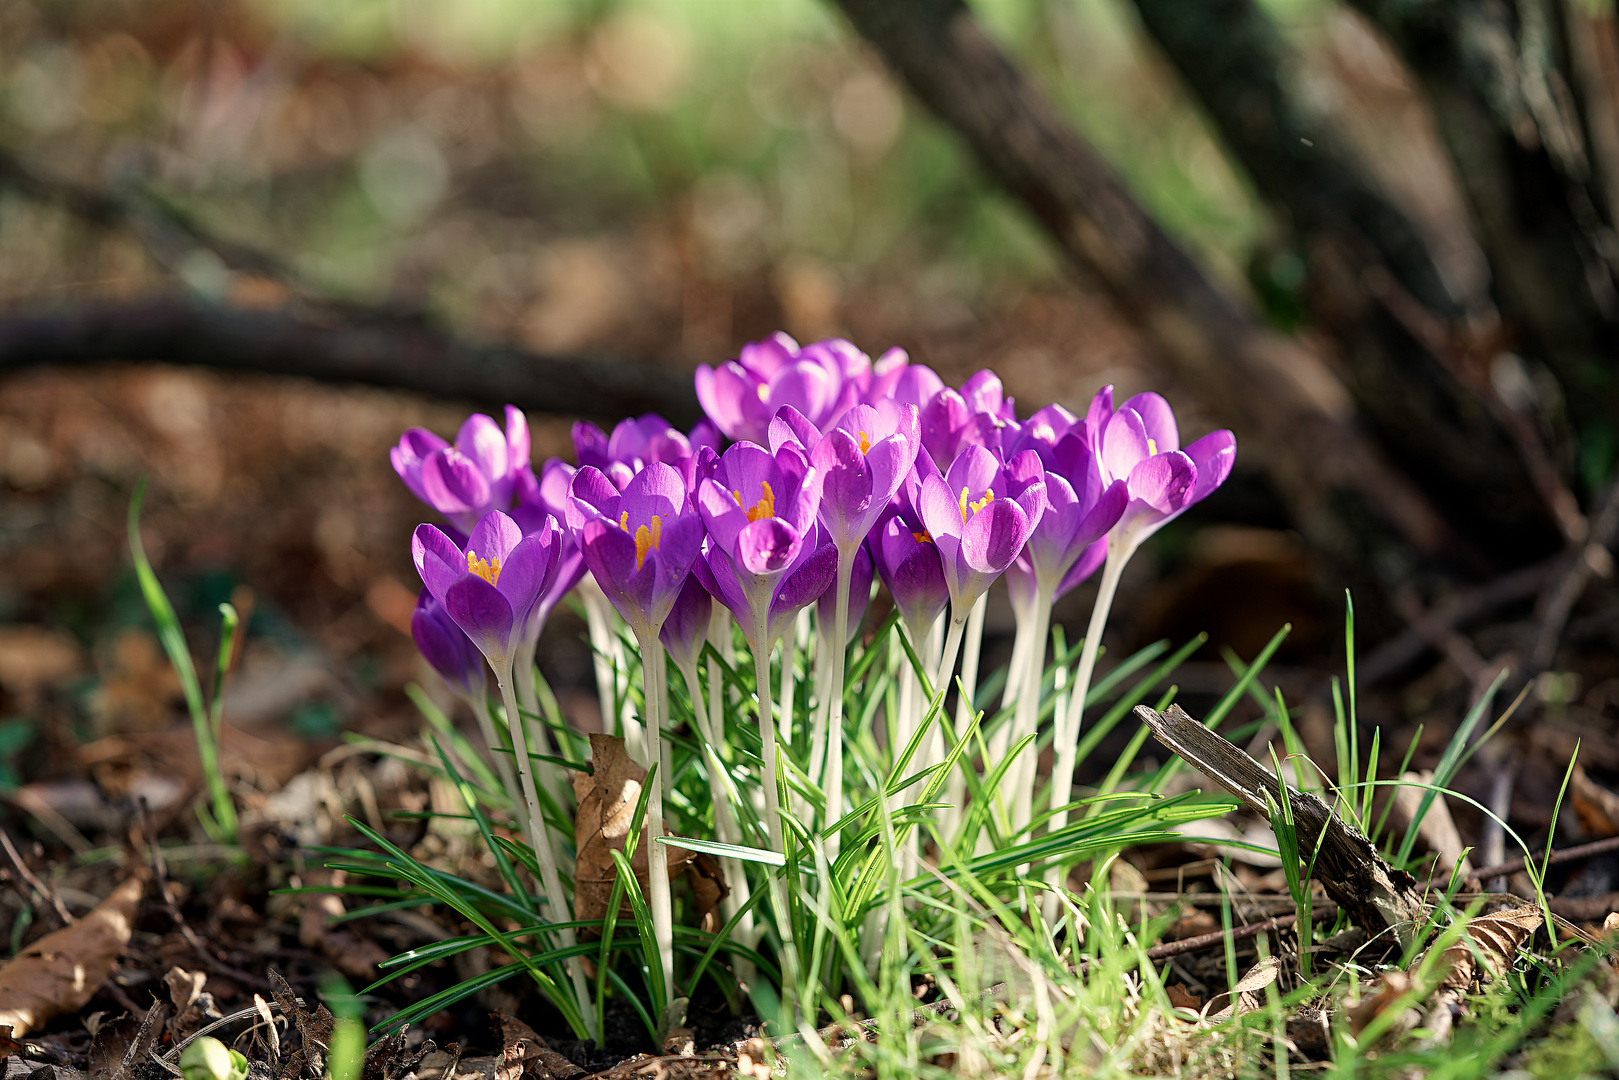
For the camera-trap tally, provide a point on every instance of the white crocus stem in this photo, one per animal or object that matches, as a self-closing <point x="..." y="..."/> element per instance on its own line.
<point x="540" y="840"/>
<point x="955" y="786"/>
<point x="972" y="648"/>
<point x="503" y="762"/>
<point x="736" y="878"/>
<point x="608" y="655"/>
<point x="551" y="779"/>
<point x="1066" y="739"/>
<point x="1027" y="716"/>
<point x="837" y="636"/>
<point x="823" y="671"/>
<point x="772" y="793"/>
<point x="658" y="897"/>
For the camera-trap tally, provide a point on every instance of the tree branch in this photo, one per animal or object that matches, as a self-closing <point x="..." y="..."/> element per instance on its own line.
<point x="1273" y="391"/>
<point x="398" y="354"/>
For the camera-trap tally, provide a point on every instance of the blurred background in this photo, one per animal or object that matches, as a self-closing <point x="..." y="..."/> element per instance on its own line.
<point x="656" y="182"/>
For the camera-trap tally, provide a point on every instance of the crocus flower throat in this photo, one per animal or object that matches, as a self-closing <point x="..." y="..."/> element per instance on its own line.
<point x="970" y="508"/>
<point x="488" y="569"/>
<point x="765" y="507"/>
<point x="647" y="537"/>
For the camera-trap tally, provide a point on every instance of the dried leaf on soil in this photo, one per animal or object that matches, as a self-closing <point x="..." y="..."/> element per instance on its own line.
<point x="1244" y="995"/>
<point x="62" y="970"/>
<point x="193" y="1006"/>
<point x="353" y="955"/>
<point x="140" y="1047"/>
<point x="1595" y="806"/>
<point x="532" y="1052"/>
<point x="607" y="799"/>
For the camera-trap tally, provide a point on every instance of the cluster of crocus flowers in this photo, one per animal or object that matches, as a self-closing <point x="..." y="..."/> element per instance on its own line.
<point x="840" y="472"/>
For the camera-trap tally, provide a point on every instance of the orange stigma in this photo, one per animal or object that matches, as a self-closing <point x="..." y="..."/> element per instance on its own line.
<point x="765" y="507"/>
<point x="489" y="571"/>
<point x="974" y="506"/>
<point x="865" y="443"/>
<point x="923" y="537"/>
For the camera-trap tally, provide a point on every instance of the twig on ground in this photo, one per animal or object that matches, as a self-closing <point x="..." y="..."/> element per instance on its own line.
<point x="1512" y="866"/>
<point x="1375" y="894"/>
<point x="161" y="876"/>
<point x="1393" y="655"/>
<point x="32" y="881"/>
<point x="1590" y="560"/>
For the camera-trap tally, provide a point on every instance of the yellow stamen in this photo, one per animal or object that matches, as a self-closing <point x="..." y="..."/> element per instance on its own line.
<point x="921" y="537"/>
<point x="1152" y="447"/>
<point x="764" y="392"/>
<point x="647" y="539"/>
<point x="624" y="521"/>
<point x="865" y="443"/>
<point x="765" y="507"/>
<point x="976" y="505"/>
<point x="490" y="572"/>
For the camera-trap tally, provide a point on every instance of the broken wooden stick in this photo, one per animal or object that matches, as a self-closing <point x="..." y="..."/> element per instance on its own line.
<point x="1376" y="895"/>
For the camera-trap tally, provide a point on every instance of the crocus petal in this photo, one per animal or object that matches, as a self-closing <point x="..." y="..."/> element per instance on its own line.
<point x="939" y="508"/>
<point x="1157" y="419"/>
<point x="767" y="545"/>
<point x="493" y="537"/>
<point x="517" y="440"/>
<point x="590" y="444"/>
<point x="1163" y="481"/>
<point x="1214" y="455"/>
<point x="445" y="646"/>
<point x="886" y="371"/>
<point x="438" y="560"/>
<point x="686" y="628"/>
<point x="1087" y="564"/>
<point x="992" y="538"/>
<point x="1097" y="416"/>
<point x="528" y="570"/>
<point x="481" y="439"/>
<point x="655" y="490"/>
<point x="917" y="385"/>
<point x="1124" y="444"/>
<point x="453" y="484"/>
<point x="791" y="426"/>
<point x="478" y="608"/>
<point x="806" y="583"/>
<point x="590" y="493"/>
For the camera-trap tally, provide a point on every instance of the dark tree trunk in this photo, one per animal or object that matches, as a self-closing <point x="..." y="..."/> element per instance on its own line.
<point x="1374" y="285"/>
<point x="1508" y="106"/>
<point x="1280" y="398"/>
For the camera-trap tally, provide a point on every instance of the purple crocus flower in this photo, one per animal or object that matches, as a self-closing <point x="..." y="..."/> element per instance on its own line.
<point x="865" y="459"/>
<point x="763" y="560"/>
<point x="980" y="514"/>
<point x="638" y="442"/>
<point x="822" y="380"/>
<point x="469" y="479"/>
<point x="978" y="414"/>
<point x="1139" y="443"/>
<point x="639" y="544"/>
<point x="686" y="628"/>
<point x="1080" y="507"/>
<point x="908" y="561"/>
<point x="447" y="648"/>
<point x="492" y="586"/>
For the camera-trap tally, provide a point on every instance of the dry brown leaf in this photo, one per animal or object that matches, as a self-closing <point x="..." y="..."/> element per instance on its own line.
<point x="532" y="1053"/>
<point x="1182" y="998"/>
<point x="607" y="799"/>
<point x="1386" y="991"/>
<point x="1244" y="996"/>
<point x="32" y="657"/>
<point x="59" y="972"/>
<point x="1595" y="806"/>
<point x="137" y="1055"/>
<point x="353" y="954"/>
<point x="193" y="1006"/>
<point x="1490" y="938"/>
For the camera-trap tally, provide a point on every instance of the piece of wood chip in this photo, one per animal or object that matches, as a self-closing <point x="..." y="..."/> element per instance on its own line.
<point x="62" y="970"/>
